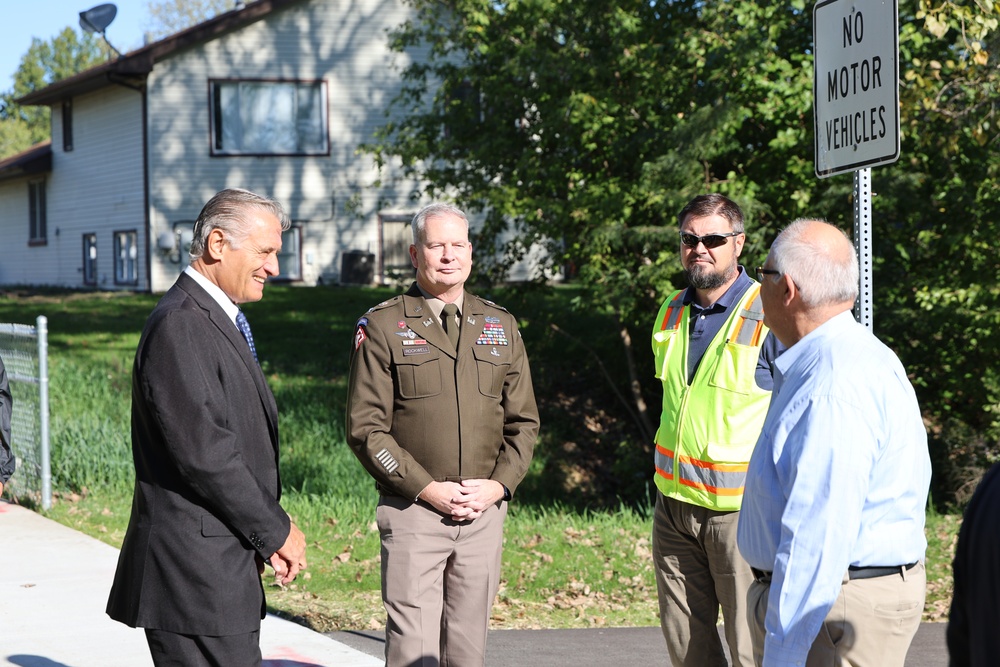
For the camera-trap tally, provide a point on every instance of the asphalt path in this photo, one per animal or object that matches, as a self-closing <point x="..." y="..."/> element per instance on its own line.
<point x="612" y="647"/>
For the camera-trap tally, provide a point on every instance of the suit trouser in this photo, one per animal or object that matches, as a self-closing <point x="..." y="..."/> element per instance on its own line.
<point x="871" y="624"/>
<point x="170" y="649"/>
<point x="439" y="579"/>
<point x="698" y="570"/>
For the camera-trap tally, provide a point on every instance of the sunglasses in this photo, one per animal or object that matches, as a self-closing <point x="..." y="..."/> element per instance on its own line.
<point x="709" y="240"/>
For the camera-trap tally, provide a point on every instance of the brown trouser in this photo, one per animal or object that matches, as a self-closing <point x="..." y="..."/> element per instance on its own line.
<point x="439" y="578"/>
<point x="698" y="570"/>
<point x="870" y="625"/>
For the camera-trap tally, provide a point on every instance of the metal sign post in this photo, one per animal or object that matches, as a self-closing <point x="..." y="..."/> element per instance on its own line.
<point x="863" y="244"/>
<point x="856" y="108"/>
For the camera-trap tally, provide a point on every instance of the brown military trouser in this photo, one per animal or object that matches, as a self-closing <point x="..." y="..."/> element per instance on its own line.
<point x="439" y="579"/>
<point x="698" y="570"/>
<point x="871" y="624"/>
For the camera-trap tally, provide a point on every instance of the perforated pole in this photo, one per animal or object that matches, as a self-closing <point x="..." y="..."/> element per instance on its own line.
<point x="42" y="327"/>
<point x="863" y="244"/>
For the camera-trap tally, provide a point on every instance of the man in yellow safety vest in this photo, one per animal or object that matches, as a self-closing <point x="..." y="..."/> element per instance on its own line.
<point x="712" y="353"/>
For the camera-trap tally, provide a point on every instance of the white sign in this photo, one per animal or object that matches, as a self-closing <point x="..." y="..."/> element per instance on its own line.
<point x="855" y="84"/>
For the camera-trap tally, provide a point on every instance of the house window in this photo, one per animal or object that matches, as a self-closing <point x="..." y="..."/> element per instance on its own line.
<point x="67" y="125"/>
<point x="90" y="259"/>
<point x="269" y="118"/>
<point x="464" y="114"/>
<point x="36" y="213"/>
<point x="126" y="258"/>
<point x="290" y="257"/>
<point x="395" y="235"/>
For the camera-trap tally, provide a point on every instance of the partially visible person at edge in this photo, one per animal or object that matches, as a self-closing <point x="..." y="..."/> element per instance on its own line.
<point x="6" y="410"/>
<point x="833" y="514"/>
<point x="205" y="513"/>
<point x="713" y="355"/>
<point x="442" y="414"/>
<point x="974" y="620"/>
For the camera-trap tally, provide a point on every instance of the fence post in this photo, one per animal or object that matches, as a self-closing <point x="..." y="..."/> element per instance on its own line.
<point x="42" y="326"/>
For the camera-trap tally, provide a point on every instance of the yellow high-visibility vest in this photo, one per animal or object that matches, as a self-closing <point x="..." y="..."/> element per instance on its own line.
<point x="708" y="429"/>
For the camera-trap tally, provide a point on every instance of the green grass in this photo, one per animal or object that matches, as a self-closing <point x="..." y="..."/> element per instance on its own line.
<point x="577" y="550"/>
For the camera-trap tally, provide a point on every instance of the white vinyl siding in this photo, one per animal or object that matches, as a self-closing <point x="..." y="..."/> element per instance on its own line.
<point x="334" y="196"/>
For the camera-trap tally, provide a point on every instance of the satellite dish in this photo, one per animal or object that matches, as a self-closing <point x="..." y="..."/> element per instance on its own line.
<point x="97" y="19"/>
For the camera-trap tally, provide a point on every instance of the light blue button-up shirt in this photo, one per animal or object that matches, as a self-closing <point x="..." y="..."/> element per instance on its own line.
<point x="839" y="477"/>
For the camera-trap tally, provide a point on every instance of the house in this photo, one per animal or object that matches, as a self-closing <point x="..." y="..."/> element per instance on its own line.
<point x="275" y="96"/>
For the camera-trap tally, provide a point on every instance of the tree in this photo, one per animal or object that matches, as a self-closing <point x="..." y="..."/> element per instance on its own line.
<point x="44" y="63"/>
<point x="166" y="17"/>
<point x="586" y="125"/>
<point x="938" y="268"/>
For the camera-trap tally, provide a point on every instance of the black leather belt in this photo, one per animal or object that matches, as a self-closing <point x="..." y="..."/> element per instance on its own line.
<point x="852" y="572"/>
<point x="877" y="571"/>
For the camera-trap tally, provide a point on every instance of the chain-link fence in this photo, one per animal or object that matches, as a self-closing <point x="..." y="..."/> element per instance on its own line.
<point x="24" y="350"/>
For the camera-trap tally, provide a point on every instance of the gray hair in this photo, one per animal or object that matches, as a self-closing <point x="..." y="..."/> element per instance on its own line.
<point x="825" y="274"/>
<point x="229" y="211"/>
<point x="430" y="211"/>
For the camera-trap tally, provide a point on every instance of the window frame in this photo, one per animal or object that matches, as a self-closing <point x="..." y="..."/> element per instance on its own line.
<point x="296" y="257"/>
<point x="90" y="276"/>
<point x="37" y="213"/>
<point x="122" y="276"/>
<point x="216" y="119"/>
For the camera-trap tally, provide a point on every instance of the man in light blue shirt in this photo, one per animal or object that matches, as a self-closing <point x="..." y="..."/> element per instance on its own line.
<point x="833" y="513"/>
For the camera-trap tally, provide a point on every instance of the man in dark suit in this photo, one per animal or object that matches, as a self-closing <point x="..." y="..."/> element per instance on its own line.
<point x="973" y="640"/>
<point x="205" y="513"/>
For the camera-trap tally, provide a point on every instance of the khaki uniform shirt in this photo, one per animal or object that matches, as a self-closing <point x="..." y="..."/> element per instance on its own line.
<point x="418" y="411"/>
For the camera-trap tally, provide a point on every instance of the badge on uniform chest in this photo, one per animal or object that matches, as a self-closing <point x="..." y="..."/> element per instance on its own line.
<point x="493" y="334"/>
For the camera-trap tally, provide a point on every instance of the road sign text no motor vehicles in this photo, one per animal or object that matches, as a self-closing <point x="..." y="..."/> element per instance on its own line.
<point x="855" y="84"/>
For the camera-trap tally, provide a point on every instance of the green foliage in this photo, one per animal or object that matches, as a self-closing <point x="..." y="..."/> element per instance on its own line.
<point x="585" y="126"/>
<point x="577" y="539"/>
<point x="45" y="63"/>
<point x="936" y="286"/>
<point x="165" y="17"/>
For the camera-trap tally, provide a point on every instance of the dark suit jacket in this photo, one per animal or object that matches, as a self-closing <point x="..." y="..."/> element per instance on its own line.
<point x="205" y="447"/>
<point x="973" y="640"/>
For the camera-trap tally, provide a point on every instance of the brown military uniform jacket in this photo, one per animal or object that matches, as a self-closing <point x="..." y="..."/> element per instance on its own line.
<point x="417" y="411"/>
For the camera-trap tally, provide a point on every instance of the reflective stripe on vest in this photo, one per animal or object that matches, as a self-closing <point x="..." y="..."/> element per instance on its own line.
<point x="722" y="479"/>
<point x="672" y="318"/>
<point x="747" y="333"/>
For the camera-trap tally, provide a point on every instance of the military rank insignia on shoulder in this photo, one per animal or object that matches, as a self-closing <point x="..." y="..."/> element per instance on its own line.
<point x="385" y="304"/>
<point x="492" y="304"/>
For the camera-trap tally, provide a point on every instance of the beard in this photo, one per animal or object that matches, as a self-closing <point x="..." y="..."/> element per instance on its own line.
<point x="705" y="278"/>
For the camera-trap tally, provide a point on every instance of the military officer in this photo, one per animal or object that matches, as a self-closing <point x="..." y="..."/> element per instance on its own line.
<point x="442" y="414"/>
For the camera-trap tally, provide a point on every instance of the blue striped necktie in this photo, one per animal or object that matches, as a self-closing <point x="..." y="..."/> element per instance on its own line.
<point x="244" y="327"/>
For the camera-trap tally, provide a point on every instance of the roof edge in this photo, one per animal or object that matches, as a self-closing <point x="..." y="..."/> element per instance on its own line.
<point x="34" y="160"/>
<point x="140" y="62"/>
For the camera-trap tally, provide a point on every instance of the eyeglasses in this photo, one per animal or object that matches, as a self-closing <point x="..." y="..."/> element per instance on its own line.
<point x="710" y="240"/>
<point x="761" y="272"/>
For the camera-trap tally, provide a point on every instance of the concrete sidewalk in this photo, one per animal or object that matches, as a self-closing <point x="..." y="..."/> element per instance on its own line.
<point x="54" y="584"/>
